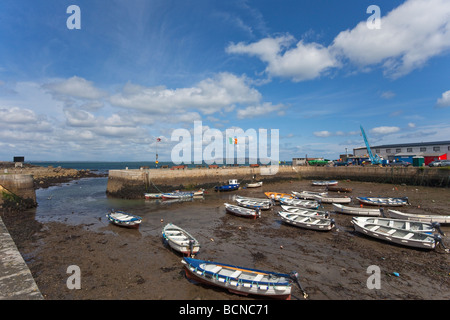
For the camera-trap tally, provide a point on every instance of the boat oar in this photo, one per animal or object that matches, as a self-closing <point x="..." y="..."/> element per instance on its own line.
<point x="294" y="276"/>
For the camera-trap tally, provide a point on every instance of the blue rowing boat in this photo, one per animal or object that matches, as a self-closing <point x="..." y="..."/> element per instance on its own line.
<point x="243" y="281"/>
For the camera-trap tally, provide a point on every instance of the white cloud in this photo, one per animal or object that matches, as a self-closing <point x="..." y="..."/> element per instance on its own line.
<point x="409" y="36"/>
<point x="75" y="87"/>
<point x="208" y="96"/>
<point x="302" y="62"/>
<point x="444" y="101"/>
<point x="322" y="134"/>
<point x="384" y="130"/>
<point x="259" y="110"/>
<point x="387" y="95"/>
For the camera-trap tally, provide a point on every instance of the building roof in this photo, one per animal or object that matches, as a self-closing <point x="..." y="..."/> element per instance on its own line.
<point x="417" y="144"/>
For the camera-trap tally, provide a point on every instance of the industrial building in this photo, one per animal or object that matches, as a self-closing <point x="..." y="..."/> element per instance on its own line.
<point x="430" y="151"/>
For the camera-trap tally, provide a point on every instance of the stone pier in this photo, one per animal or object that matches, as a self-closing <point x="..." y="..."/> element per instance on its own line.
<point x="134" y="183"/>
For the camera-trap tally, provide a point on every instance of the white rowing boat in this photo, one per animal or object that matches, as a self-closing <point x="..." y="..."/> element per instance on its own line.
<point x="332" y="200"/>
<point x="325" y="183"/>
<point x="419" y="217"/>
<point x="311" y="204"/>
<point x="358" y="211"/>
<point x="241" y="280"/>
<point x="384" y="201"/>
<point x="309" y="194"/>
<point x="180" y="240"/>
<point x="242" y="212"/>
<point x="305" y="211"/>
<point x="254" y="204"/>
<point x="307" y="221"/>
<point x="124" y="219"/>
<point x="399" y="236"/>
<point x="254" y="184"/>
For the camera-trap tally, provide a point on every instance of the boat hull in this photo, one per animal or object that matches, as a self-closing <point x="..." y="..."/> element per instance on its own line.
<point x="124" y="220"/>
<point x="356" y="211"/>
<point x="241" y="211"/>
<point x="419" y="217"/>
<point x="307" y="221"/>
<point x="388" y="202"/>
<point x="420" y="240"/>
<point x="178" y="239"/>
<point x="238" y="285"/>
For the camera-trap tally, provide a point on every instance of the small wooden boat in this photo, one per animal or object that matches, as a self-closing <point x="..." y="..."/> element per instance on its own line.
<point x="124" y="219"/>
<point x="240" y="280"/>
<point x="233" y="184"/>
<point x="339" y="189"/>
<point x="277" y="195"/>
<point x="406" y="225"/>
<point x="242" y="212"/>
<point x="419" y="217"/>
<point x="399" y="236"/>
<point x="177" y="195"/>
<point x="384" y="201"/>
<point x="263" y="200"/>
<point x="180" y="240"/>
<point x="311" y="204"/>
<point x="305" y="211"/>
<point x="325" y="183"/>
<point x="358" y="211"/>
<point x="153" y="195"/>
<point x="332" y="200"/>
<point x="255" y="184"/>
<point x="252" y="204"/>
<point x="198" y="193"/>
<point x="307" y="221"/>
<point x="309" y="194"/>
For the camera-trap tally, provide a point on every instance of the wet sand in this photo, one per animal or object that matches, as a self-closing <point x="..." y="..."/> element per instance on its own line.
<point x="118" y="263"/>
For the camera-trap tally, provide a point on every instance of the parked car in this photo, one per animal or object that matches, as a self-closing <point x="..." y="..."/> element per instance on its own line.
<point x="400" y="163"/>
<point x="444" y="163"/>
<point x="434" y="163"/>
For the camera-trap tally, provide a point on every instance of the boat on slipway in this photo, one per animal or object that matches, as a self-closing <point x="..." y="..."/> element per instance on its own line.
<point x="241" y="280"/>
<point x="318" y="223"/>
<point x="394" y="235"/>
<point x="180" y="240"/>
<point x="357" y="211"/>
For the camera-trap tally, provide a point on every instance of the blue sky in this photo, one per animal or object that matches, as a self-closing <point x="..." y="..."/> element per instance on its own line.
<point x="137" y="70"/>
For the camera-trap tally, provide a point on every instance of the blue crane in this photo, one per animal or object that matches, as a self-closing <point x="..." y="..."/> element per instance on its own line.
<point x="375" y="159"/>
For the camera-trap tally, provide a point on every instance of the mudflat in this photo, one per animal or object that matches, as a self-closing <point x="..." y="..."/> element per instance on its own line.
<point x="119" y="263"/>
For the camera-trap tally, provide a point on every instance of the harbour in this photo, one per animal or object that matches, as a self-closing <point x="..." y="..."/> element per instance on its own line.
<point x="70" y="227"/>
